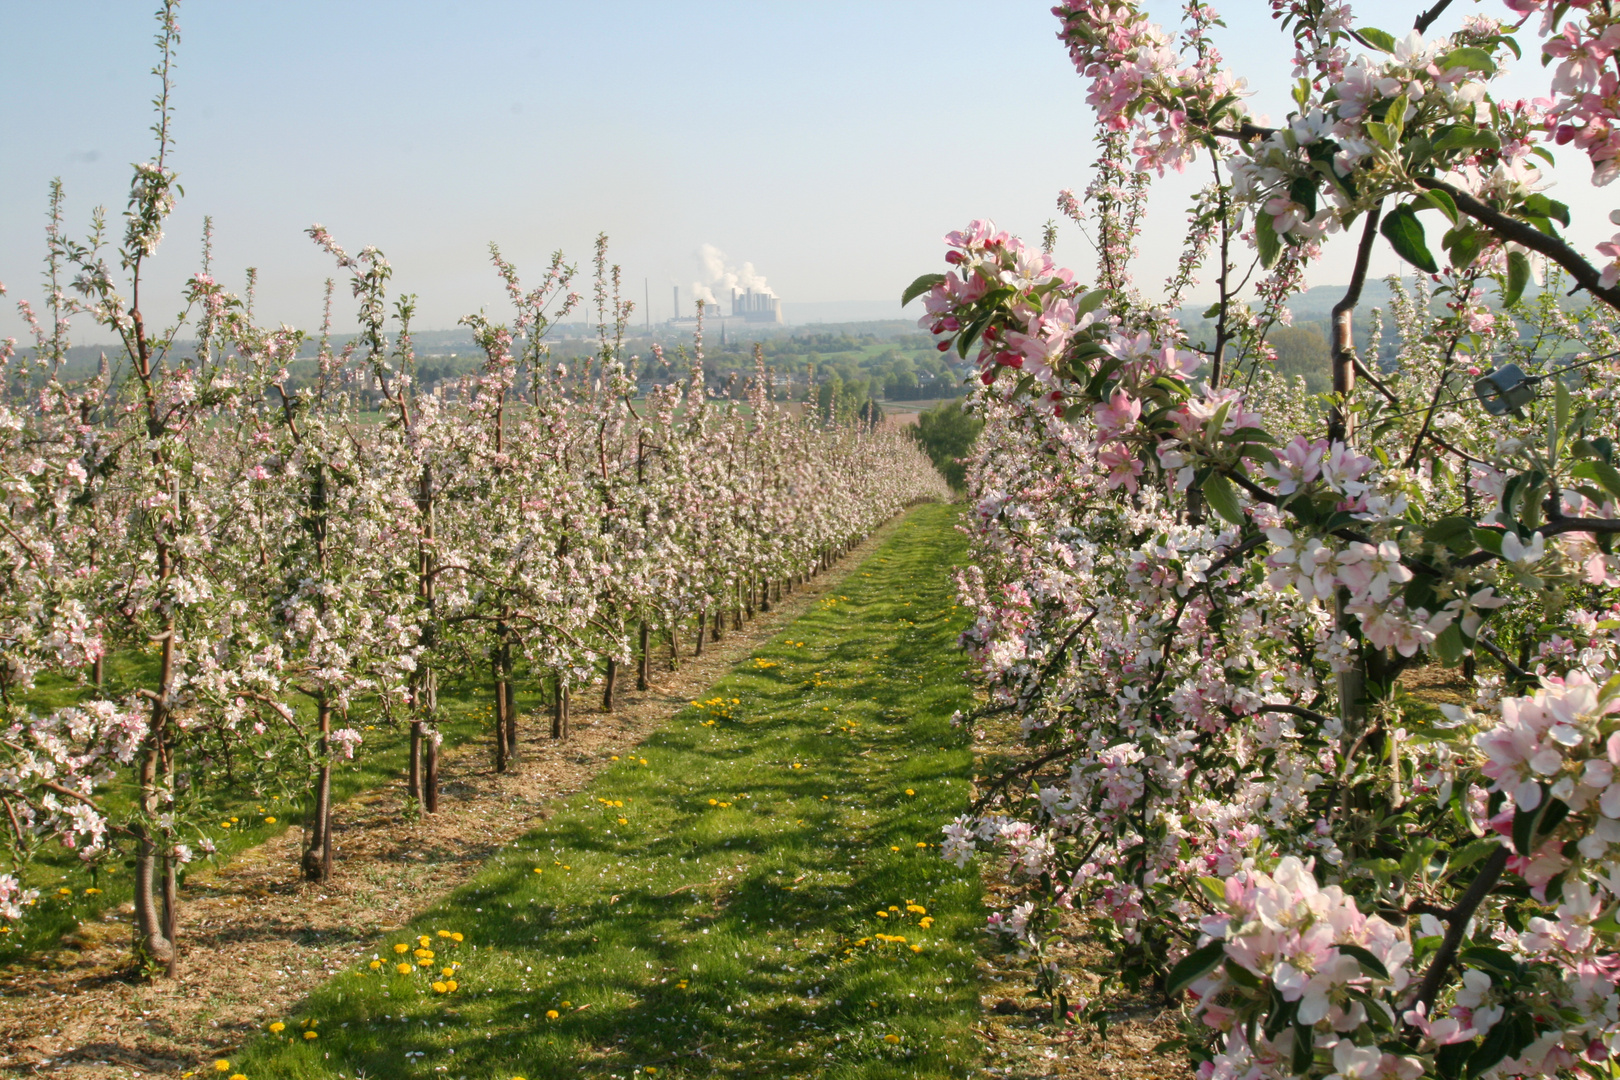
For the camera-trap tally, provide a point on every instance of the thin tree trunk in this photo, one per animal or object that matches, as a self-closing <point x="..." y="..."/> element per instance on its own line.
<point x="98" y="671"/>
<point x="644" y="670"/>
<point x="413" y="782"/>
<point x="702" y="626"/>
<point x="559" y="710"/>
<point x="610" y="683"/>
<point x="430" y="775"/>
<point x="511" y="706"/>
<point x="674" y="648"/>
<point x="718" y="632"/>
<point x="317" y="860"/>
<point x="500" y="709"/>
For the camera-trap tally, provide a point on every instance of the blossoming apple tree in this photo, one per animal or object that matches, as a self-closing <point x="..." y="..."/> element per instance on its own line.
<point x="1207" y="600"/>
<point x="267" y="555"/>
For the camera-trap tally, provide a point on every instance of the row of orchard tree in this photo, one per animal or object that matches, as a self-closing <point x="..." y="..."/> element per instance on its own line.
<point x="1218" y="608"/>
<point x="281" y="556"/>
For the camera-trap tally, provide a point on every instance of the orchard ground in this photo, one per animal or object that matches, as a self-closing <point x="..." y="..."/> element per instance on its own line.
<point x="831" y="762"/>
<point x="756" y="891"/>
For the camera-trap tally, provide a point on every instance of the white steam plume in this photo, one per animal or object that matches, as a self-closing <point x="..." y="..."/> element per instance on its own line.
<point x="720" y="277"/>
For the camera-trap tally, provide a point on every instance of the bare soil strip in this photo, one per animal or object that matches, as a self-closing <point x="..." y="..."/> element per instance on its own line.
<point x="256" y="939"/>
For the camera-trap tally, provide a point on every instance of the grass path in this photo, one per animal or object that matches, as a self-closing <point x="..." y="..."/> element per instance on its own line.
<point x="728" y="902"/>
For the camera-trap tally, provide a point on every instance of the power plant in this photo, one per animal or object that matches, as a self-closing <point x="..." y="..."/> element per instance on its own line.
<point x="747" y="305"/>
<point x="755" y="307"/>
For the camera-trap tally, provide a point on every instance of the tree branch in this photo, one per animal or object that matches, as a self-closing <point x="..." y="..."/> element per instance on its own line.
<point x="1520" y="232"/>
<point x="1425" y="20"/>
<point x="1457" y="926"/>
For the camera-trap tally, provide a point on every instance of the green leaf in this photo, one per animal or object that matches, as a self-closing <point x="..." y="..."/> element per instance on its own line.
<point x="1266" y="239"/>
<point x="1518" y="276"/>
<point x="1465" y="244"/>
<point x="1369" y="963"/>
<point x="1541" y="206"/>
<point x="920" y="286"/>
<point x="1470" y="853"/>
<point x="1304" y="1048"/>
<point x="1467" y="56"/>
<point x="1091" y="301"/>
<point x="1530" y="827"/>
<point x="1449" y="531"/>
<point x="1381" y="40"/>
<point x="1194" y="966"/>
<point x="1599" y="472"/>
<point x="1302" y="189"/>
<point x="1404" y="232"/>
<point x="1449" y="645"/>
<point x="1466" y="138"/>
<point x="1222" y="499"/>
<point x="1441" y="201"/>
<point x="1214" y="888"/>
<point x="1489" y="959"/>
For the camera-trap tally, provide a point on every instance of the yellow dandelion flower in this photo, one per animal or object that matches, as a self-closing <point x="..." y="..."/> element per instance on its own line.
<point x="567" y="1004"/>
<point x="224" y="824"/>
<point x="916" y="948"/>
<point x="403" y="969"/>
<point x="450" y="986"/>
<point x="375" y="965"/>
<point x="882" y="914"/>
<point x="894" y="847"/>
<point x="910" y="792"/>
<point x="552" y="1014"/>
<point x="238" y="1076"/>
<point x="92" y="891"/>
<point x="312" y="1034"/>
<point x="539" y="870"/>
<point x="277" y="1028"/>
<point x="891" y="1039"/>
<point x="444" y="933"/>
<point x="916" y="909"/>
<point x="222" y="1065"/>
<point x="439" y="987"/>
<point x="402" y="948"/>
<point x="457" y="936"/>
<point x="713" y="802"/>
<point x="269" y="821"/>
<point x="64" y="892"/>
<point x="424" y="941"/>
<point x="624" y="821"/>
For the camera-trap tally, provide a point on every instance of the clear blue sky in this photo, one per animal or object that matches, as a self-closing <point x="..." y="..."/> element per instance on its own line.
<point x="828" y="143"/>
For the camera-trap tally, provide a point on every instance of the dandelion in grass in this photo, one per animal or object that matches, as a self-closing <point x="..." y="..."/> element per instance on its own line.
<point x="277" y="1027"/>
<point x="222" y="1065"/>
<point x="403" y="969"/>
<point x="552" y="1014"/>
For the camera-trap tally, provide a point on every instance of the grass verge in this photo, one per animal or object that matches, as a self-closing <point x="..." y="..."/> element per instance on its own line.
<point x="756" y="892"/>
